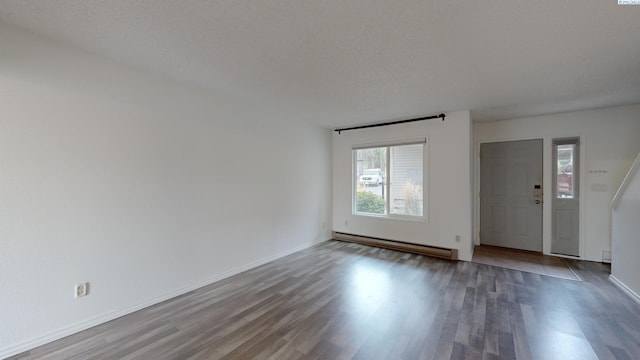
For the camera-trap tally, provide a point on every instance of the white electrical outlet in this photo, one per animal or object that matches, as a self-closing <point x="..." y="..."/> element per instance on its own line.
<point x="458" y="238"/>
<point x="81" y="289"/>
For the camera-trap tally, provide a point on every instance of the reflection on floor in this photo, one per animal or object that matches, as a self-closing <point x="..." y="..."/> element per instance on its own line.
<point x="528" y="261"/>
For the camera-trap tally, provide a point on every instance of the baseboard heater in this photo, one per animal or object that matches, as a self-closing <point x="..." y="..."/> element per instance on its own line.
<point x="451" y="254"/>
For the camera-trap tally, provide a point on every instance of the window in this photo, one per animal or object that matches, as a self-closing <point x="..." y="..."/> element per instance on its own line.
<point x="388" y="179"/>
<point x="565" y="158"/>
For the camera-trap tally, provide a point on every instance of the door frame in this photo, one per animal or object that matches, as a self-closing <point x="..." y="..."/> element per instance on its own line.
<point x="547" y="136"/>
<point x="577" y="185"/>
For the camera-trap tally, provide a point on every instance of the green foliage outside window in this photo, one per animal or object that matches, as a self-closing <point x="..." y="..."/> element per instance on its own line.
<point x="368" y="202"/>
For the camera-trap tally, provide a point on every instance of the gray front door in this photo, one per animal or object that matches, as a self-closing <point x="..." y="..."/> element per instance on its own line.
<point x="511" y="194"/>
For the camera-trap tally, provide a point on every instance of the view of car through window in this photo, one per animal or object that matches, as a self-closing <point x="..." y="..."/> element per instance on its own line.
<point x="388" y="180"/>
<point x="372" y="177"/>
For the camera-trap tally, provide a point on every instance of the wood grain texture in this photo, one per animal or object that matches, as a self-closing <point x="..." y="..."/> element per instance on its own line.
<point x="349" y="301"/>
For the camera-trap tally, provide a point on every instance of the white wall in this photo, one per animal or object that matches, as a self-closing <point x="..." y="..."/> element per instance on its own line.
<point x="446" y="174"/>
<point x="625" y="233"/>
<point x="609" y="142"/>
<point x="145" y="187"/>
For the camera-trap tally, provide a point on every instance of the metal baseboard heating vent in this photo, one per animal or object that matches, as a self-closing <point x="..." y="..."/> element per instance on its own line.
<point x="451" y="254"/>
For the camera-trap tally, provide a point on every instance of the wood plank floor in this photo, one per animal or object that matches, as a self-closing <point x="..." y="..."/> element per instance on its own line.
<point x="348" y="301"/>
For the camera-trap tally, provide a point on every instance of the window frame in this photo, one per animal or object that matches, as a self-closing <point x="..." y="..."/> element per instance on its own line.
<point x="575" y="163"/>
<point x="387" y="184"/>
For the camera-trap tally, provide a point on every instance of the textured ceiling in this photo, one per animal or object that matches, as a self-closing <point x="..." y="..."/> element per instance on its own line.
<point x="337" y="63"/>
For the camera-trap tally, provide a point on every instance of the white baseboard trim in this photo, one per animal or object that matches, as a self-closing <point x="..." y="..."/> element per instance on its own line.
<point x="625" y="288"/>
<point x="112" y="315"/>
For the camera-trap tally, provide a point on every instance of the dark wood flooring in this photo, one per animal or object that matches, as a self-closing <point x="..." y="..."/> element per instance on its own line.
<point x="347" y="301"/>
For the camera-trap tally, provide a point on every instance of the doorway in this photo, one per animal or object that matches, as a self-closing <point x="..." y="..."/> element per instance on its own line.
<point x="511" y="194"/>
<point x="565" y="204"/>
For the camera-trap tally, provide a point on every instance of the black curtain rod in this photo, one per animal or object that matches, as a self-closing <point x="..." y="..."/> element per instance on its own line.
<point x="441" y="116"/>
